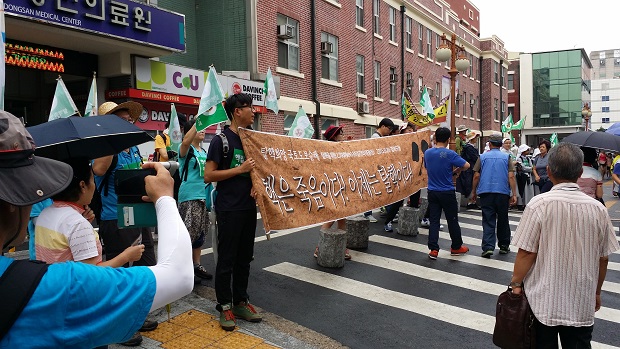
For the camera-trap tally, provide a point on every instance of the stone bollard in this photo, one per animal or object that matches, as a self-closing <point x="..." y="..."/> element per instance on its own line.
<point x="357" y="233"/>
<point x="332" y="244"/>
<point x="409" y="220"/>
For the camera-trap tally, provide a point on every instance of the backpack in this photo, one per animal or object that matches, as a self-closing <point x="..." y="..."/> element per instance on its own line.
<point x="96" y="204"/>
<point x="211" y="188"/>
<point x="470" y="154"/>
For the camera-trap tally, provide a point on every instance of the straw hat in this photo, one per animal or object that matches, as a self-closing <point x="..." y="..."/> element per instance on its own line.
<point x="133" y="108"/>
<point x="473" y="134"/>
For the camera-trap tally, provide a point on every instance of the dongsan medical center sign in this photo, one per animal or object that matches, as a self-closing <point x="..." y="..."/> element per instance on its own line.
<point x="123" y="19"/>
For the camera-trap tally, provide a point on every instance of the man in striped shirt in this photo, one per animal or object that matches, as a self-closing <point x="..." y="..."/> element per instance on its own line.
<point x="564" y="240"/>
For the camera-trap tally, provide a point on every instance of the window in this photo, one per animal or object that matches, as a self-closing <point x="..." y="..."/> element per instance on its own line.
<point x="503" y="109"/>
<point x="369" y="130"/>
<point x="359" y="65"/>
<point x="464" y="99"/>
<point x="288" y="122"/>
<point x="288" y="49"/>
<point x="605" y="120"/>
<point x="605" y="98"/>
<point x="437" y="92"/>
<point x="420" y="85"/>
<point x="429" y="43"/>
<point x="471" y="14"/>
<point x="326" y="123"/>
<point x="616" y="61"/>
<point x="359" y="12"/>
<point x="457" y="104"/>
<point x="471" y="65"/>
<point x="471" y="105"/>
<point x="511" y="81"/>
<point x="375" y="11"/>
<point x="605" y="110"/>
<point x="408" y="38"/>
<point x="392" y="24"/>
<point x="377" y="79"/>
<point x="257" y="125"/>
<point x="496" y="110"/>
<point x="392" y="84"/>
<point x="329" y="61"/>
<point x="502" y="76"/>
<point x="437" y="41"/>
<point x="409" y="83"/>
<point x="420" y="39"/>
<point x="479" y="71"/>
<point x="511" y="111"/>
<point x="496" y="72"/>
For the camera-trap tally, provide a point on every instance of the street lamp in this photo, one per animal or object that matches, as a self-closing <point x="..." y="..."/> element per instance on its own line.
<point x="450" y="50"/>
<point x="586" y="113"/>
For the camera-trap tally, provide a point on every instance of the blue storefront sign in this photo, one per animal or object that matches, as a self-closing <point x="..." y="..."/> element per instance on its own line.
<point x="124" y="19"/>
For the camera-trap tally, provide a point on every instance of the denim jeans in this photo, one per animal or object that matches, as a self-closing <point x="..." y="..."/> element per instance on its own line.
<point x="392" y="210"/>
<point x="494" y="213"/>
<point x="446" y="201"/>
<point x="570" y="337"/>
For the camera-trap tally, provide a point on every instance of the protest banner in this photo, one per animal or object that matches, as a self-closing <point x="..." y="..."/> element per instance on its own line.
<point x="301" y="182"/>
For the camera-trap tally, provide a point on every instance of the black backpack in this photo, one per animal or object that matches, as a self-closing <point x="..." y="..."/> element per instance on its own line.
<point x="96" y="204"/>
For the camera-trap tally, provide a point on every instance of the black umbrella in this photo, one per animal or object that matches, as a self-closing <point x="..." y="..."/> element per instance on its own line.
<point x="595" y="139"/>
<point x="89" y="137"/>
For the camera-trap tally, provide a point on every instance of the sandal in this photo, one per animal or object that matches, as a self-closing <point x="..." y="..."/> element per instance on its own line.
<point x="347" y="256"/>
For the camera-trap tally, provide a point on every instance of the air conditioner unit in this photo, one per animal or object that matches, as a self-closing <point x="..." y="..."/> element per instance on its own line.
<point x="326" y="47"/>
<point x="472" y="101"/>
<point x="363" y="107"/>
<point x="393" y="77"/>
<point x="285" y="31"/>
<point x="409" y="82"/>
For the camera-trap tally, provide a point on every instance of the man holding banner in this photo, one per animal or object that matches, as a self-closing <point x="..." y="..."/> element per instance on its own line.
<point x="235" y="207"/>
<point x="440" y="163"/>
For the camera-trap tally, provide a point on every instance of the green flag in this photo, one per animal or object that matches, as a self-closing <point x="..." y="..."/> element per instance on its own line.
<point x="554" y="139"/>
<point x="91" y="103"/>
<point x="403" y="107"/>
<point x="301" y="127"/>
<point x="271" y="98"/>
<point x="507" y="123"/>
<point x="174" y="130"/>
<point x="519" y="125"/>
<point x="62" y="105"/>
<point x="427" y="106"/>
<point x="211" y="111"/>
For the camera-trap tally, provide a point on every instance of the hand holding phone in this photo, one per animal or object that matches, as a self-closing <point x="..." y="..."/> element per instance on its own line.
<point x="158" y="185"/>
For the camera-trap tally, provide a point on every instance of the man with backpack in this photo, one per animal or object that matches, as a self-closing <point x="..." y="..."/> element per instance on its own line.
<point x="116" y="240"/>
<point x="163" y="152"/>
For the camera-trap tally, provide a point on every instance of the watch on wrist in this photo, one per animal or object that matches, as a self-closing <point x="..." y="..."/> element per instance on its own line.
<point x="516" y="284"/>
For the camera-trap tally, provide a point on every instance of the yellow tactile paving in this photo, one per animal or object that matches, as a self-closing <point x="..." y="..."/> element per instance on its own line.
<point x="192" y="319"/>
<point x="211" y="330"/>
<point x="238" y="341"/>
<point x="265" y="346"/>
<point x="166" y="331"/>
<point x="187" y="341"/>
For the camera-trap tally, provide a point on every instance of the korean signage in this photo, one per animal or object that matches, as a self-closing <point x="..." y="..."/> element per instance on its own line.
<point x="163" y="77"/>
<point x="124" y="19"/>
<point x="300" y="181"/>
<point x="33" y="56"/>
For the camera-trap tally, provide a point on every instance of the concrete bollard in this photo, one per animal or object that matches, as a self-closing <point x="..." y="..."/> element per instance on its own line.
<point x="332" y="244"/>
<point x="357" y="233"/>
<point x="409" y="220"/>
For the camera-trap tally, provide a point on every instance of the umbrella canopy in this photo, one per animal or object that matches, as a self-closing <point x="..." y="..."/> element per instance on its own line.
<point x="595" y="139"/>
<point x="88" y="137"/>
<point x="614" y="129"/>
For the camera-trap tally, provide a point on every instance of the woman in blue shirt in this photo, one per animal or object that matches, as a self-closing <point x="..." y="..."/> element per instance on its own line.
<point x="192" y="197"/>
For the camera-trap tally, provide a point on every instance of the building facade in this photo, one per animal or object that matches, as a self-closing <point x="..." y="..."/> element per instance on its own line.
<point x="605" y="88"/>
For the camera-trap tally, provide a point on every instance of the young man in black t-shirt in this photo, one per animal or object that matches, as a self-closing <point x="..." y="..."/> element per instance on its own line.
<point x="236" y="214"/>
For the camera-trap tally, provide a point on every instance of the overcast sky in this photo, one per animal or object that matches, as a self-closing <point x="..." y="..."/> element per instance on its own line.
<point x="550" y="25"/>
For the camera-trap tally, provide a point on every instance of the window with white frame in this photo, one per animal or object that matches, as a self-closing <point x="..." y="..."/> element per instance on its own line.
<point x="327" y="122"/>
<point x="375" y="11"/>
<point x="503" y="108"/>
<point x="605" y="98"/>
<point x="359" y="66"/>
<point x="329" y="61"/>
<point x="288" y="49"/>
<point x="471" y="14"/>
<point x="511" y="81"/>
<point x="437" y="41"/>
<point x="502" y="76"/>
<point x="409" y="82"/>
<point x="471" y="65"/>
<point x="408" y="37"/>
<point x="496" y="102"/>
<point x="605" y="109"/>
<point x="429" y="43"/>
<point x="471" y="105"/>
<point x="288" y="122"/>
<point x="392" y="24"/>
<point x="369" y="130"/>
<point x="359" y="12"/>
<point x="605" y="120"/>
<point x="377" y="79"/>
<point x="464" y="99"/>
<point x="437" y="92"/>
<point x="457" y="104"/>
<point x="496" y="72"/>
<point x="420" y="38"/>
<point x="392" y="84"/>
<point x="420" y="85"/>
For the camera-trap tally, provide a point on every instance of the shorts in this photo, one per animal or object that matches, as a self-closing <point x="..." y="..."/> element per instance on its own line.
<point x="195" y="216"/>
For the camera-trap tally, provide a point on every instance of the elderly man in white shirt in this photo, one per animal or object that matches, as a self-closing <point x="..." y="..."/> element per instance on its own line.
<point x="564" y="240"/>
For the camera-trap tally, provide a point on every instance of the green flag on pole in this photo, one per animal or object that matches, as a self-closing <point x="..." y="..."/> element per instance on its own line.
<point x="301" y="127"/>
<point x="519" y="124"/>
<point x="403" y="107"/>
<point x="554" y="139"/>
<point x="62" y="105"/>
<point x="91" y="103"/>
<point x="507" y="123"/>
<point x="427" y="106"/>
<point x="271" y="98"/>
<point x="174" y="130"/>
<point x="211" y="111"/>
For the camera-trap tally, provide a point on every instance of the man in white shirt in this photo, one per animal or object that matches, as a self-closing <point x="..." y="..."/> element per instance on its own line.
<point x="564" y="240"/>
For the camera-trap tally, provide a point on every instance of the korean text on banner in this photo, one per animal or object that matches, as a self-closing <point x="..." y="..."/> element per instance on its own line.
<point x="300" y="181"/>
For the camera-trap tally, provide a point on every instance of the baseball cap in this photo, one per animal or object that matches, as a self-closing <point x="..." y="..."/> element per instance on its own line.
<point x="26" y="179"/>
<point x="496" y="139"/>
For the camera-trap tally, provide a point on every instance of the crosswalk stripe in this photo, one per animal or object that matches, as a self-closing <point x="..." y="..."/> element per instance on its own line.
<point x="470" y="259"/>
<point x="467" y="215"/>
<point x="467" y="282"/>
<point x="398" y="300"/>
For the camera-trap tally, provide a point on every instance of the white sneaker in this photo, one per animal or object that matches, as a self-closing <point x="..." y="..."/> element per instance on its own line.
<point x="425" y="222"/>
<point x="371" y="218"/>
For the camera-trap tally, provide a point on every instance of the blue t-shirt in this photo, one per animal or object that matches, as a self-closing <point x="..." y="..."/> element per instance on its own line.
<point x="78" y="305"/>
<point x="131" y="160"/>
<point x="439" y="163"/>
<point x="233" y="194"/>
<point x="616" y="170"/>
<point x="35" y="212"/>
<point x="194" y="187"/>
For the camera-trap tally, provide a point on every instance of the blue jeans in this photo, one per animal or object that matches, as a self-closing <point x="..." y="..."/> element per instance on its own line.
<point x="494" y="210"/>
<point x="446" y="201"/>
